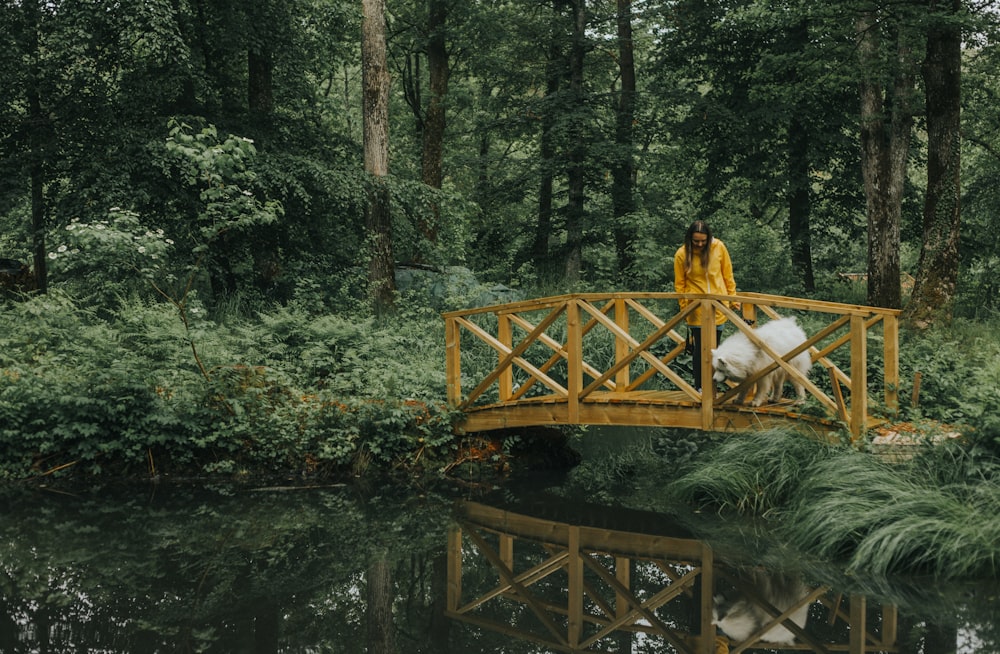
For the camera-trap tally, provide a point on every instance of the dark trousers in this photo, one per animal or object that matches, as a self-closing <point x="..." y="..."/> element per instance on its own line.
<point x="696" y="354"/>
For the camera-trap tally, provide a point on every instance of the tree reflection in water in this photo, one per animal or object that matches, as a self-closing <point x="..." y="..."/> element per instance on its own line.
<point x="332" y="570"/>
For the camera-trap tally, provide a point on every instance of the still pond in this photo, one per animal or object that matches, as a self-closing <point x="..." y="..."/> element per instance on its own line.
<point x="526" y="567"/>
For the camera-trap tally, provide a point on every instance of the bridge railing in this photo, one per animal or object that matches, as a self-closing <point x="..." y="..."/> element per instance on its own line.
<point x="577" y="349"/>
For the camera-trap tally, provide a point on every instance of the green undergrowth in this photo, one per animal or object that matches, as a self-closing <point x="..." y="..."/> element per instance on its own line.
<point x="136" y="391"/>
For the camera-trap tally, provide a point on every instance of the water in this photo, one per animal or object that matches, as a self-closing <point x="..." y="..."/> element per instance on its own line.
<point x="176" y="568"/>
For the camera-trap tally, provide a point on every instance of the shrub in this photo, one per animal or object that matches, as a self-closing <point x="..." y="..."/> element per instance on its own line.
<point x="286" y="393"/>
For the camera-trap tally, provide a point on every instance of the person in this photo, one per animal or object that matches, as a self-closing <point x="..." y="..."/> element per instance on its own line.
<point x="702" y="265"/>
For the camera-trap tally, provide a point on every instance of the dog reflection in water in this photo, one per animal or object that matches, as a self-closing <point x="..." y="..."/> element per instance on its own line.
<point x="738" y="616"/>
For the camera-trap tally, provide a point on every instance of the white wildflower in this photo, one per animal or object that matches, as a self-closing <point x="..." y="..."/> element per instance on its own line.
<point x="61" y="248"/>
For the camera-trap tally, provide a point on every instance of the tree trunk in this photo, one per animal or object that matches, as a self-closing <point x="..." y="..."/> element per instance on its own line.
<point x="381" y="637"/>
<point x="375" y="82"/>
<point x="483" y="160"/>
<point x="547" y="152"/>
<point x="260" y="84"/>
<point x="885" y="147"/>
<point x="577" y="147"/>
<point x="39" y="138"/>
<point x="260" y="62"/>
<point x="800" y="203"/>
<point x="623" y="173"/>
<point x="38" y="217"/>
<point x="934" y="293"/>
<point x="439" y="628"/>
<point x="434" y="122"/>
<point x="799" y="179"/>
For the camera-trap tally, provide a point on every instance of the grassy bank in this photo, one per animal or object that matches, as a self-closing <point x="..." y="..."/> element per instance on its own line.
<point x="937" y="514"/>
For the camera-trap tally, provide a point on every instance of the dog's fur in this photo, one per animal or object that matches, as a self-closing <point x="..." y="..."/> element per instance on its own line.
<point x="737" y="358"/>
<point x="739" y="617"/>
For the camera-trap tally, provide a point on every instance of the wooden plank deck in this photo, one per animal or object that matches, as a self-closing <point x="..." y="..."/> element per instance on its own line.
<point x="645" y="409"/>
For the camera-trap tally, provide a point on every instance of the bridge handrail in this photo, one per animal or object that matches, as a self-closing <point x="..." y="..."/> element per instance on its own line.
<point x="781" y="301"/>
<point x="580" y="313"/>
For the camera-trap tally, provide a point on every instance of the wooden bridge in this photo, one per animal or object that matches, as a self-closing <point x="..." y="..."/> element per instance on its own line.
<point x="619" y="359"/>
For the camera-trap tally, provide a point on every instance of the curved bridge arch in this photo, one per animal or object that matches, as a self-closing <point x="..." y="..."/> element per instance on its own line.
<point x="617" y="359"/>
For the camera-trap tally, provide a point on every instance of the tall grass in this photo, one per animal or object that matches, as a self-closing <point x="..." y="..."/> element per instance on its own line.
<point x="883" y="521"/>
<point x="842" y="505"/>
<point x="754" y="474"/>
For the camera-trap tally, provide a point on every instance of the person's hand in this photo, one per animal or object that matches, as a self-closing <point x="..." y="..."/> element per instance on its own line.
<point x="737" y="306"/>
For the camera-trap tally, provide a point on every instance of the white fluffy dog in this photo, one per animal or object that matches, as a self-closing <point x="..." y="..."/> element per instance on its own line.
<point x="737" y="358"/>
<point x="739" y="617"/>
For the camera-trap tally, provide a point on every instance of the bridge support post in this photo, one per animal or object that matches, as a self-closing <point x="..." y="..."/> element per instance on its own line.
<point x="707" y="382"/>
<point x="574" y="364"/>
<point x="859" y="625"/>
<point x="453" y="361"/>
<point x="505" y="336"/>
<point x="859" y="376"/>
<point x="706" y="645"/>
<point x="622" y="377"/>
<point x="890" y="337"/>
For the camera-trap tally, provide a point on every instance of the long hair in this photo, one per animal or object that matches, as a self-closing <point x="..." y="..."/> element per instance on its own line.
<point x="697" y="227"/>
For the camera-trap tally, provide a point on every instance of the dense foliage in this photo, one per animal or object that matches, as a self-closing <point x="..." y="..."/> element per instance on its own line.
<point x="285" y="393"/>
<point x="185" y="180"/>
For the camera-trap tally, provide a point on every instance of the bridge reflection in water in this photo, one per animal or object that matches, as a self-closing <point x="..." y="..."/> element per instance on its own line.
<point x="577" y="588"/>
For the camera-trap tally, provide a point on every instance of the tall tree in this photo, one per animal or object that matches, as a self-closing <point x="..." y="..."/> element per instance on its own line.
<point x="39" y="136"/>
<point x="29" y="130"/>
<point x="886" y="124"/>
<point x="623" y="168"/>
<point x="375" y="102"/>
<point x="432" y="170"/>
<point x="937" y="277"/>
<point x="577" y="146"/>
<point x="260" y="60"/>
<point x="800" y="169"/>
<point x="554" y="74"/>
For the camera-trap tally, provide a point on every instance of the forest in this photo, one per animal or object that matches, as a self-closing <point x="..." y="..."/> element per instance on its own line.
<point x="228" y="229"/>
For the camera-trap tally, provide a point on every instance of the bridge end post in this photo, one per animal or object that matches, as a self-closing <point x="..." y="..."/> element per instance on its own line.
<point x="453" y="362"/>
<point x="859" y="377"/>
<point x="890" y="337"/>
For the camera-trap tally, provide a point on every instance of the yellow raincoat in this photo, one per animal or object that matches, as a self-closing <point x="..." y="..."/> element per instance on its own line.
<point x="718" y="281"/>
